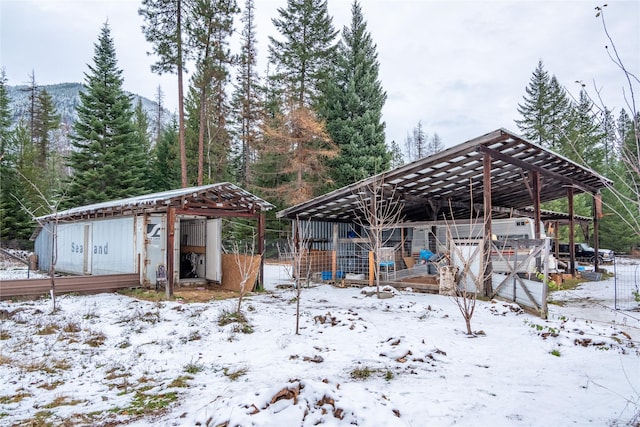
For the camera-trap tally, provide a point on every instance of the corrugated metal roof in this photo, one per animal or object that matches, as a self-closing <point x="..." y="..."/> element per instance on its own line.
<point x="221" y="195"/>
<point x="440" y="185"/>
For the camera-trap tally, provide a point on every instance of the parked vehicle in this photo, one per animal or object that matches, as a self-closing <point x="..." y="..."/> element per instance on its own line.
<point x="584" y="252"/>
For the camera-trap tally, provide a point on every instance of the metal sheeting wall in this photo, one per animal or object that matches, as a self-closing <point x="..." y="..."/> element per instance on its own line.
<point x="113" y="246"/>
<point x="74" y="247"/>
<point x="89" y="247"/>
<point x="43" y="247"/>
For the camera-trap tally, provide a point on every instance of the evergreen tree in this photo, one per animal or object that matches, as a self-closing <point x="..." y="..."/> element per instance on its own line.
<point x="544" y="110"/>
<point x="17" y="167"/>
<point x="353" y="105"/>
<point x="108" y="160"/>
<point x="583" y="135"/>
<point x="397" y="158"/>
<point x="165" y="166"/>
<point x="45" y="119"/>
<point x="158" y="122"/>
<point x="246" y="99"/>
<point x="164" y="22"/>
<point x="14" y="221"/>
<point x="5" y="114"/>
<point x="305" y="56"/>
<point x="210" y="26"/>
<point x="143" y="141"/>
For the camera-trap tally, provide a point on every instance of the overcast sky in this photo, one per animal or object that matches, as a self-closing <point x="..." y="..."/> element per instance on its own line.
<point x="460" y="67"/>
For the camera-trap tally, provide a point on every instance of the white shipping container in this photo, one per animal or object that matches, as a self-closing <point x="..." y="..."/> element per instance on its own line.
<point x="113" y="246"/>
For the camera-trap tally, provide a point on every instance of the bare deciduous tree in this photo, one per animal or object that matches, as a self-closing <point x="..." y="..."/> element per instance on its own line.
<point x="245" y="261"/>
<point x="53" y="208"/>
<point x="297" y="251"/>
<point x="381" y="210"/>
<point x="626" y="141"/>
<point x="469" y="262"/>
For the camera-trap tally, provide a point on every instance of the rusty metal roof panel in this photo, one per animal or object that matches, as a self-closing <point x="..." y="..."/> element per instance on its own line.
<point x="222" y="195"/>
<point x="447" y="177"/>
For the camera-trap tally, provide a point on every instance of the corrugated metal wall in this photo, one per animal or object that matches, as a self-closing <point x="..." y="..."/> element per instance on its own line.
<point x="89" y="247"/>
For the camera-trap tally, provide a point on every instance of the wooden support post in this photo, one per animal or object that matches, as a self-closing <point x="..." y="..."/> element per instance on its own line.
<point x="171" y="231"/>
<point x="334" y="252"/>
<point x="535" y="178"/>
<point x="486" y="182"/>
<point x="572" y="248"/>
<point x="372" y="268"/>
<point x="261" y="227"/>
<point x="597" y="208"/>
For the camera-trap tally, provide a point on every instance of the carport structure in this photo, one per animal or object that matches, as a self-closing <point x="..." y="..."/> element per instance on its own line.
<point x="509" y="176"/>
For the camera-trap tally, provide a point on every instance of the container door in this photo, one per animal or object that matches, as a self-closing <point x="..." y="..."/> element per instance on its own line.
<point x="214" y="250"/>
<point x="155" y="247"/>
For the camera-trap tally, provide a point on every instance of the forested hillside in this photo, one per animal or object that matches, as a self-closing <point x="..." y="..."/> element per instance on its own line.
<point x="65" y="97"/>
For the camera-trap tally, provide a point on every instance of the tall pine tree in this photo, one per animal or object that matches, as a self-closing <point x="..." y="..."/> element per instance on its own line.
<point x="165" y="160"/>
<point x="14" y="221"/>
<point x="544" y="111"/>
<point x="164" y="28"/>
<point x="352" y="106"/>
<point x="246" y="98"/>
<point x="305" y="56"/>
<point x="108" y="161"/>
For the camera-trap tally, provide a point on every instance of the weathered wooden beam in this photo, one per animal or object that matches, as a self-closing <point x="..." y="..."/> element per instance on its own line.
<point x="524" y="165"/>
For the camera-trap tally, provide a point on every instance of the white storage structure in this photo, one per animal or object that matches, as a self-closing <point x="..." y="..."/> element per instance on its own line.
<point x="173" y="236"/>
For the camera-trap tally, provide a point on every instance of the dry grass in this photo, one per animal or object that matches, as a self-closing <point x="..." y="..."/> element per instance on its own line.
<point x="62" y="401"/>
<point x="96" y="339"/>
<point x="50" y="366"/>
<point x="199" y="294"/>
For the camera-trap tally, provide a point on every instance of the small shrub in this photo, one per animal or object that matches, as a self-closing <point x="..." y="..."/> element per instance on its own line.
<point x="388" y="375"/>
<point x="361" y="373"/>
<point x="230" y="316"/>
<point x="49" y="329"/>
<point x="193" y="368"/>
<point x="234" y="375"/>
<point x="4" y="335"/>
<point x="555" y="352"/>
<point x="71" y="327"/>
<point x="180" y="382"/>
<point x="96" y="339"/>
<point x="148" y="403"/>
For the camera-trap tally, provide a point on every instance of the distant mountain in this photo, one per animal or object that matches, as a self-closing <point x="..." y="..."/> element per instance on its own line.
<point x="66" y="99"/>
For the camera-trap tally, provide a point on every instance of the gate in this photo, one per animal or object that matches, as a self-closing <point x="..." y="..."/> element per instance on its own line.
<point x="626" y="285"/>
<point x="522" y="260"/>
<point x="515" y="263"/>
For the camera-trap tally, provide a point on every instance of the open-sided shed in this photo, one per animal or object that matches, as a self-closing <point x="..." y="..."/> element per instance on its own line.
<point x="168" y="237"/>
<point x="498" y="175"/>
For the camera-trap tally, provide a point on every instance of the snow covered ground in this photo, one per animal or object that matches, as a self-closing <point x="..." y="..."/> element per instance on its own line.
<point x="110" y="359"/>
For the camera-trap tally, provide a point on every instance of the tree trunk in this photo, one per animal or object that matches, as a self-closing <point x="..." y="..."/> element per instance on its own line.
<point x="181" y="130"/>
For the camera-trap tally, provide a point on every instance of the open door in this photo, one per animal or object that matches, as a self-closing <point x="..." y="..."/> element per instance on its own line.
<point x="214" y="250"/>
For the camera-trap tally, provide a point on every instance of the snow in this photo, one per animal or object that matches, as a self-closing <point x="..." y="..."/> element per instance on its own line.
<point x="358" y="360"/>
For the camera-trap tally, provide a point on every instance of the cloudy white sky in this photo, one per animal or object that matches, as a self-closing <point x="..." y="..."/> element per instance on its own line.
<point x="460" y="67"/>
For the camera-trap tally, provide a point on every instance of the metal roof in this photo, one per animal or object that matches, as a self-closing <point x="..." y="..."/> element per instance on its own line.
<point x="440" y="185"/>
<point x="223" y="196"/>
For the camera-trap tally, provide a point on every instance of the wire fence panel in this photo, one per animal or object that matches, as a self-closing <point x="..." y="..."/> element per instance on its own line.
<point x="627" y="284"/>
